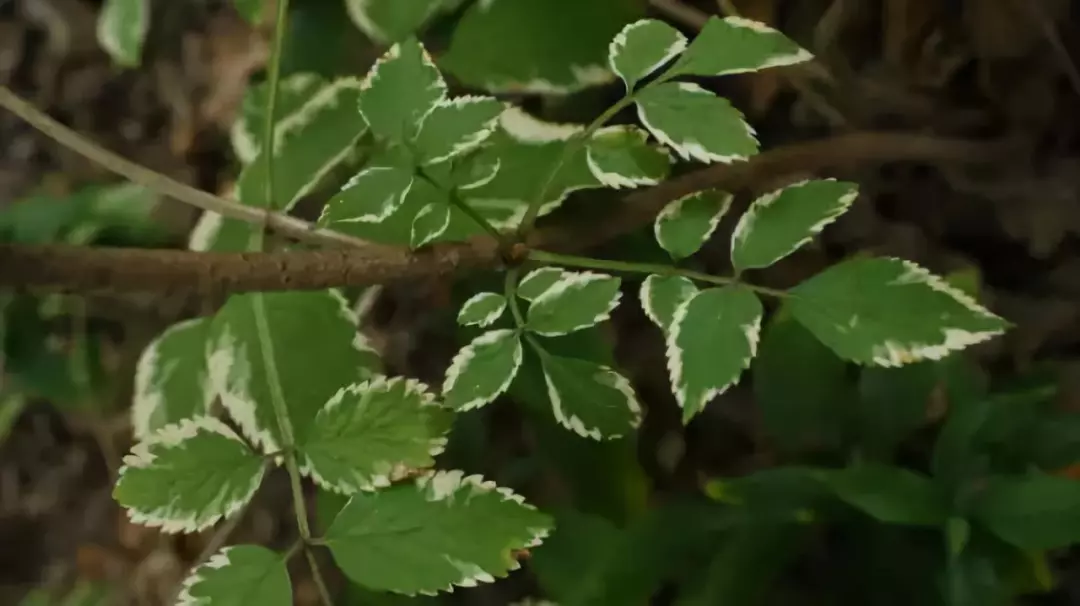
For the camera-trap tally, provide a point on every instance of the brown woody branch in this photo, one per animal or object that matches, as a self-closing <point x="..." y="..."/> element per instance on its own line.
<point x="60" y="268"/>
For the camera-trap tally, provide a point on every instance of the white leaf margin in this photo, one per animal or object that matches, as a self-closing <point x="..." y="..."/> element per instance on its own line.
<point x="470" y="142"/>
<point x="477" y="299"/>
<point x="141" y="457"/>
<point x="390" y="471"/>
<point x="617" y="180"/>
<point x="892" y="354"/>
<point x="460" y="364"/>
<point x="146" y="398"/>
<point x="582" y="280"/>
<point x="618" y="44"/>
<point x="389" y="205"/>
<point x="675" y="364"/>
<point x="648" y="303"/>
<point x="418" y="239"/>
<point x="745" y="227"/>
<point x="672" y="210"/>
<point x="574" y="423"/>
<point x="691" y="149"/>
<point x="535" y="275"/>
<point x="781" y="60"/>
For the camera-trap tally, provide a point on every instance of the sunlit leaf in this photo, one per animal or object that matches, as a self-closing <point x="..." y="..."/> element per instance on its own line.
<point x="674" y="113"/>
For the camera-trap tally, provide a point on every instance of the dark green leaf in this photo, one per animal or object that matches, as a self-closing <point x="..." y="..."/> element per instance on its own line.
<point x="890" y="494"/>
<point x="1034" y="512"/>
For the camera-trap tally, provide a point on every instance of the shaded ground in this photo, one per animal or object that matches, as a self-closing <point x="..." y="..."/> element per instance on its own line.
<point x="974" y="68"/>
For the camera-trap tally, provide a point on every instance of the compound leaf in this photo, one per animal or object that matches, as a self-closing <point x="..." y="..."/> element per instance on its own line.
<point x="444" y="530"/>
<point x="187" y="476"/>
<point x="371" y="196"/>
<point x="620" y="156"/>
<point x="890" y="494"/>
<point x="401" y="88"/>
<point x="121" y="29"/>
<point x="538" y="281"/>
<point x="734" y="45"/>
<point x="779" y="223"/>
<point x="457" y="126"/>
<point x="712" y="339"/>
<point x="642" y="47"/>
<point x="662" y="295"/>
<point x="297" y="346"/>
<point x="590" y="399"/>
<point x="370" y="434"/>
<point x="686" y="224"/>
<point x="537" y="46"/>
<point x="890" y="312"/>
<point x="1037" y="511"/>
<point x="389" y="21"/>
<point x="172" y="381"/>
<point x="239" y="575"/>
<point x="576" y="301"/>
<point x="482" y="370"/>
<point x="482" y="309"/>
<point x="674" y="112"/>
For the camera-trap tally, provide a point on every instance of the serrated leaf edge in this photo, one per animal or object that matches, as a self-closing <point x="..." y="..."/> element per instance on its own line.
<point x="141" y="457"/>
<point x="467" y="353"/>
<point x="619" y="43"/>
<point x="470" y="142"/>
<point x="675" y="207"/>
<point x="691" y="149"/>
<point x="745" y="226"/>
<point x="574" y="423"/>
<point x="646" y="296"/>
<point x="570" y="280"/>
<point x="476" y="299"/>
<point x="396" y="472"/>
<point x="146" y="400"/>
<point x="675" y="366"/>
<point x="217" y="561"/>
<point x="617" y="180"/>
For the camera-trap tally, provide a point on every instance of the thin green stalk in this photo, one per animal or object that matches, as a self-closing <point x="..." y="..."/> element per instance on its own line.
<point x="645" y="268"/>
<point x="316" y="574"/>
<point x="510" y="290"/>
<point x="457" y="202"/>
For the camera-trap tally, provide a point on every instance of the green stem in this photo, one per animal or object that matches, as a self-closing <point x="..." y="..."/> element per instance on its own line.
<point x="316" y="574"/>
<point x="510" y="290"/>
<point x="645" y="268"/>
<point x="457" y="202"/>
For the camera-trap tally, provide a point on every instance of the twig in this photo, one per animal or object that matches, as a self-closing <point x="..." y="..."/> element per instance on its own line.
<point x="185" y="273"/>
<point x="687" y="15"/>
<point x="159" y="183"/>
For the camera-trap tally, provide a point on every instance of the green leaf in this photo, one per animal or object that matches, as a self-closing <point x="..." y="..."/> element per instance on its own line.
<point x="215" y="233"/>
<point x="526" y="150"/>
<point x="537" y="46"/>
<point x="674" y="112"/>
<point x="457" y="126"/>
<point x="309" y="143"/>
<point x="250" y="10"/>
<point x="578" y="300"/>
<point x="389" y="21"/>
<point x="482" y="309"/>
<point x="713" y="336"/>
<point x="592" y="400"/>
<point x="684" y="225"/>
<point x="779" y="223"/>
<point x="890" y="494"/>
<point x="620" y="156"/>
<point x="187" y="476"/>
<point x="121" y="29"/>
<point x="294" y="91"/>
<point x="373" y="433"/>
<point x="301" y="347"/>
<point x="1034" y="512"/>
<point x="662" y="295"/>
<point x="431" y="222"/>
<point x="735" y="45"/>
<point x="172" y="381"/>
<point x="371" y="196"/>
<point x="890" y="312"/>
<point x="894" y="403"/>
<point x="239" y="575"/>
<point x="482" y="370"/>
<point x="401" y="88"/>
<point x="800" y="387"/>
<point x="539" y="281"/>
<point x="444" y="530"/>
<point x="643" y="47"/>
